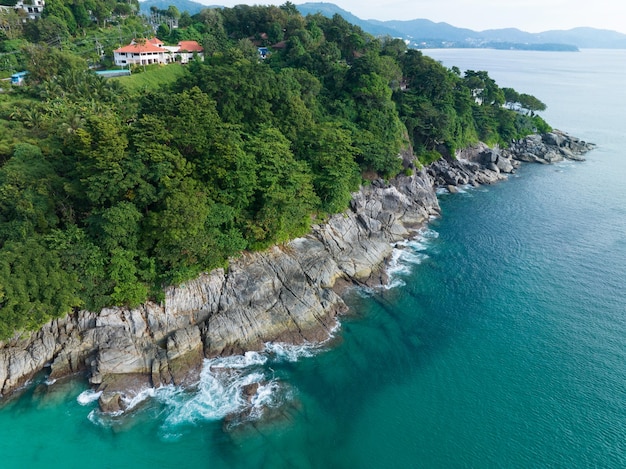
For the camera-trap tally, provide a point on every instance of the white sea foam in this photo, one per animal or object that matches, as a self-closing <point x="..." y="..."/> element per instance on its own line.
<point x="265" y="395"/>
<point x="429" y="233"/>
<point x="406" y="255"/>
<point x="103" y="419"/>
<point x="222" y="382"/>
<point x="88" y="396"/>
<point x="288" y="352"/>
<point x="239" y="361"/>
<point x="220" y="391"/>
<point x="131" y="402"/>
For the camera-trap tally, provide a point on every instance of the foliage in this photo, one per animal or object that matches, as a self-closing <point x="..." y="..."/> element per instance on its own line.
<point x="111" y="189"/>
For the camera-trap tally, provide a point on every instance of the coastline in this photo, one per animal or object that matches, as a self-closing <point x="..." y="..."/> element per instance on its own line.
<point x="287" y="293"/>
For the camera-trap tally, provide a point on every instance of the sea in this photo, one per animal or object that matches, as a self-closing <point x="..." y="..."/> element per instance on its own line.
<point x="500" y="341"/>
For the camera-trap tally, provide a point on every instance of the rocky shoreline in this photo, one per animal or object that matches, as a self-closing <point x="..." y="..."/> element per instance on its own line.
<point x="287" y="293"/>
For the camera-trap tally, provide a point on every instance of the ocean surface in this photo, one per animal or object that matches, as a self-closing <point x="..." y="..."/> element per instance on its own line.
<point x="501" y="341"/>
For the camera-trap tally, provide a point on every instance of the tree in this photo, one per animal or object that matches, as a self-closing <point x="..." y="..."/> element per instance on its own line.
<point x="58" y="9"/>
<point x="81" y="15"/>
<point x="380" y="135"/>
<point x="44" y="63"/>
<point x="289" y="8"/>
<point x="511" y="97"/>
<point x="484" y="88"/>
<point x="116" y="227"/>
<point x="531" y="103"/>
<point x="172" y="12"/>
<point x="285" y="198"/>
<point x="102" y="161"/>
<point x="335" y="172"/>
<point x="185" y="234"/>
<point x="34" y="287"/>
<point x="128" y="289"/>
<point x="27" y="194"/>
<point x="51" y="29"/>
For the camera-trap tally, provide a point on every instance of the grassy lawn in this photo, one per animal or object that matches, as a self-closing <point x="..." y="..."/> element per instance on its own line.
<point x="152" y="78"/>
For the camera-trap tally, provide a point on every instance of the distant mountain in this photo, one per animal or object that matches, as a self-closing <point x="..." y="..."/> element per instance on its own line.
<point x="424" y="33"/>
<point x="425" y="30"/>
<point x="588" y="38"/>
<point x="330" y="9"/>
<point x="183" y="5"/>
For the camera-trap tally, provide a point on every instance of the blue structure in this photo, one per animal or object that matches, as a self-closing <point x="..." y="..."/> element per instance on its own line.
<point x="17" y="79"/>
<point x="113" y="73"/>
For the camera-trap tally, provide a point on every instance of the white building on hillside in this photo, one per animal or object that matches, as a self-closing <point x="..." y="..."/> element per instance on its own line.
<point x="32" y="8"/>
<point x="153" y="51"/>
<point x="142" y="52"/>
<point x="186" y="51"/>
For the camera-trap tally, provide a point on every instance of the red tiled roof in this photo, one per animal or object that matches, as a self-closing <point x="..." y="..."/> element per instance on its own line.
<point x="189" y="46"/>
<point x="155" y="40"/>
<point x="140" y="48"/>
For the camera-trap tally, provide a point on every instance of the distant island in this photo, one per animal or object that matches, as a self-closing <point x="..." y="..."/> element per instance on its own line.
<point x="426" y="34"/>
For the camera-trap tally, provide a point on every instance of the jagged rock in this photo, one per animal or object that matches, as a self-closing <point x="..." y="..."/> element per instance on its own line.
<point x="119" y="390"/>
<point x="553" y="139"/>
<point x="120" y="354"/>
<point x="184" y="356"/>
<point x="549" y="148"/>
<point x="489" y="156"/>
<point x="504" y="165"/>
<point x="111" y="402"/>
<point x="183" y="341"/>
<point x="552" y="156"/>
<point x="66" y="363"/>
<point x="570" y="155"/>
<point x="493" y="167"/>
<point x="526" y="157"/>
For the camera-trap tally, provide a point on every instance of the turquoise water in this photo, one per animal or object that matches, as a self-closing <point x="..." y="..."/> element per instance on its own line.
<point x="501" y="344"/>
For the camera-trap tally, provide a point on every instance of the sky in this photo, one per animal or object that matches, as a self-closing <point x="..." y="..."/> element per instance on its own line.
<point x="528" y="15"/>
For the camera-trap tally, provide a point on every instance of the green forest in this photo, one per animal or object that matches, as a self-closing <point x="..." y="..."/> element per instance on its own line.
<point x="112" y="189"/>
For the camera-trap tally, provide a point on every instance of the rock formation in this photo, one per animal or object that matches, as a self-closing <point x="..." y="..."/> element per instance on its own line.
<point x="282" y="294"/>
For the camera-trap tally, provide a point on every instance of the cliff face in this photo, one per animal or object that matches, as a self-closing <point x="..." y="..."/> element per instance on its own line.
<point x="282" y="294"/>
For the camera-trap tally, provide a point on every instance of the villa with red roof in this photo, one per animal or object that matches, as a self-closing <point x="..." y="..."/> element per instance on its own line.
<point x="153" y="51"/>
<point x="186" y="50"/>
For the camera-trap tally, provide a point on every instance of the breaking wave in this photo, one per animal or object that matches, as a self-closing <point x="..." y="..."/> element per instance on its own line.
<point x="407" y="254"/>
<point x="237" y="388"/>
<point x="88" y="396"/>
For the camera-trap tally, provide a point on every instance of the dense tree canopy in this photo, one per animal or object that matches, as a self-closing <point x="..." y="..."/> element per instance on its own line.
<point x="108" y="192"/>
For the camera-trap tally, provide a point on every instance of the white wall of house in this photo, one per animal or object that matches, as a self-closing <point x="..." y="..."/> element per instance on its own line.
<point x="141" y="58"/>
<point x="32" y="10"/>
<point x="159" y="54"/>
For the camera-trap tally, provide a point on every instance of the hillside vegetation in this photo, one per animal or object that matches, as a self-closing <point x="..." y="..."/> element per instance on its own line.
<point x="110" y="190"/>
